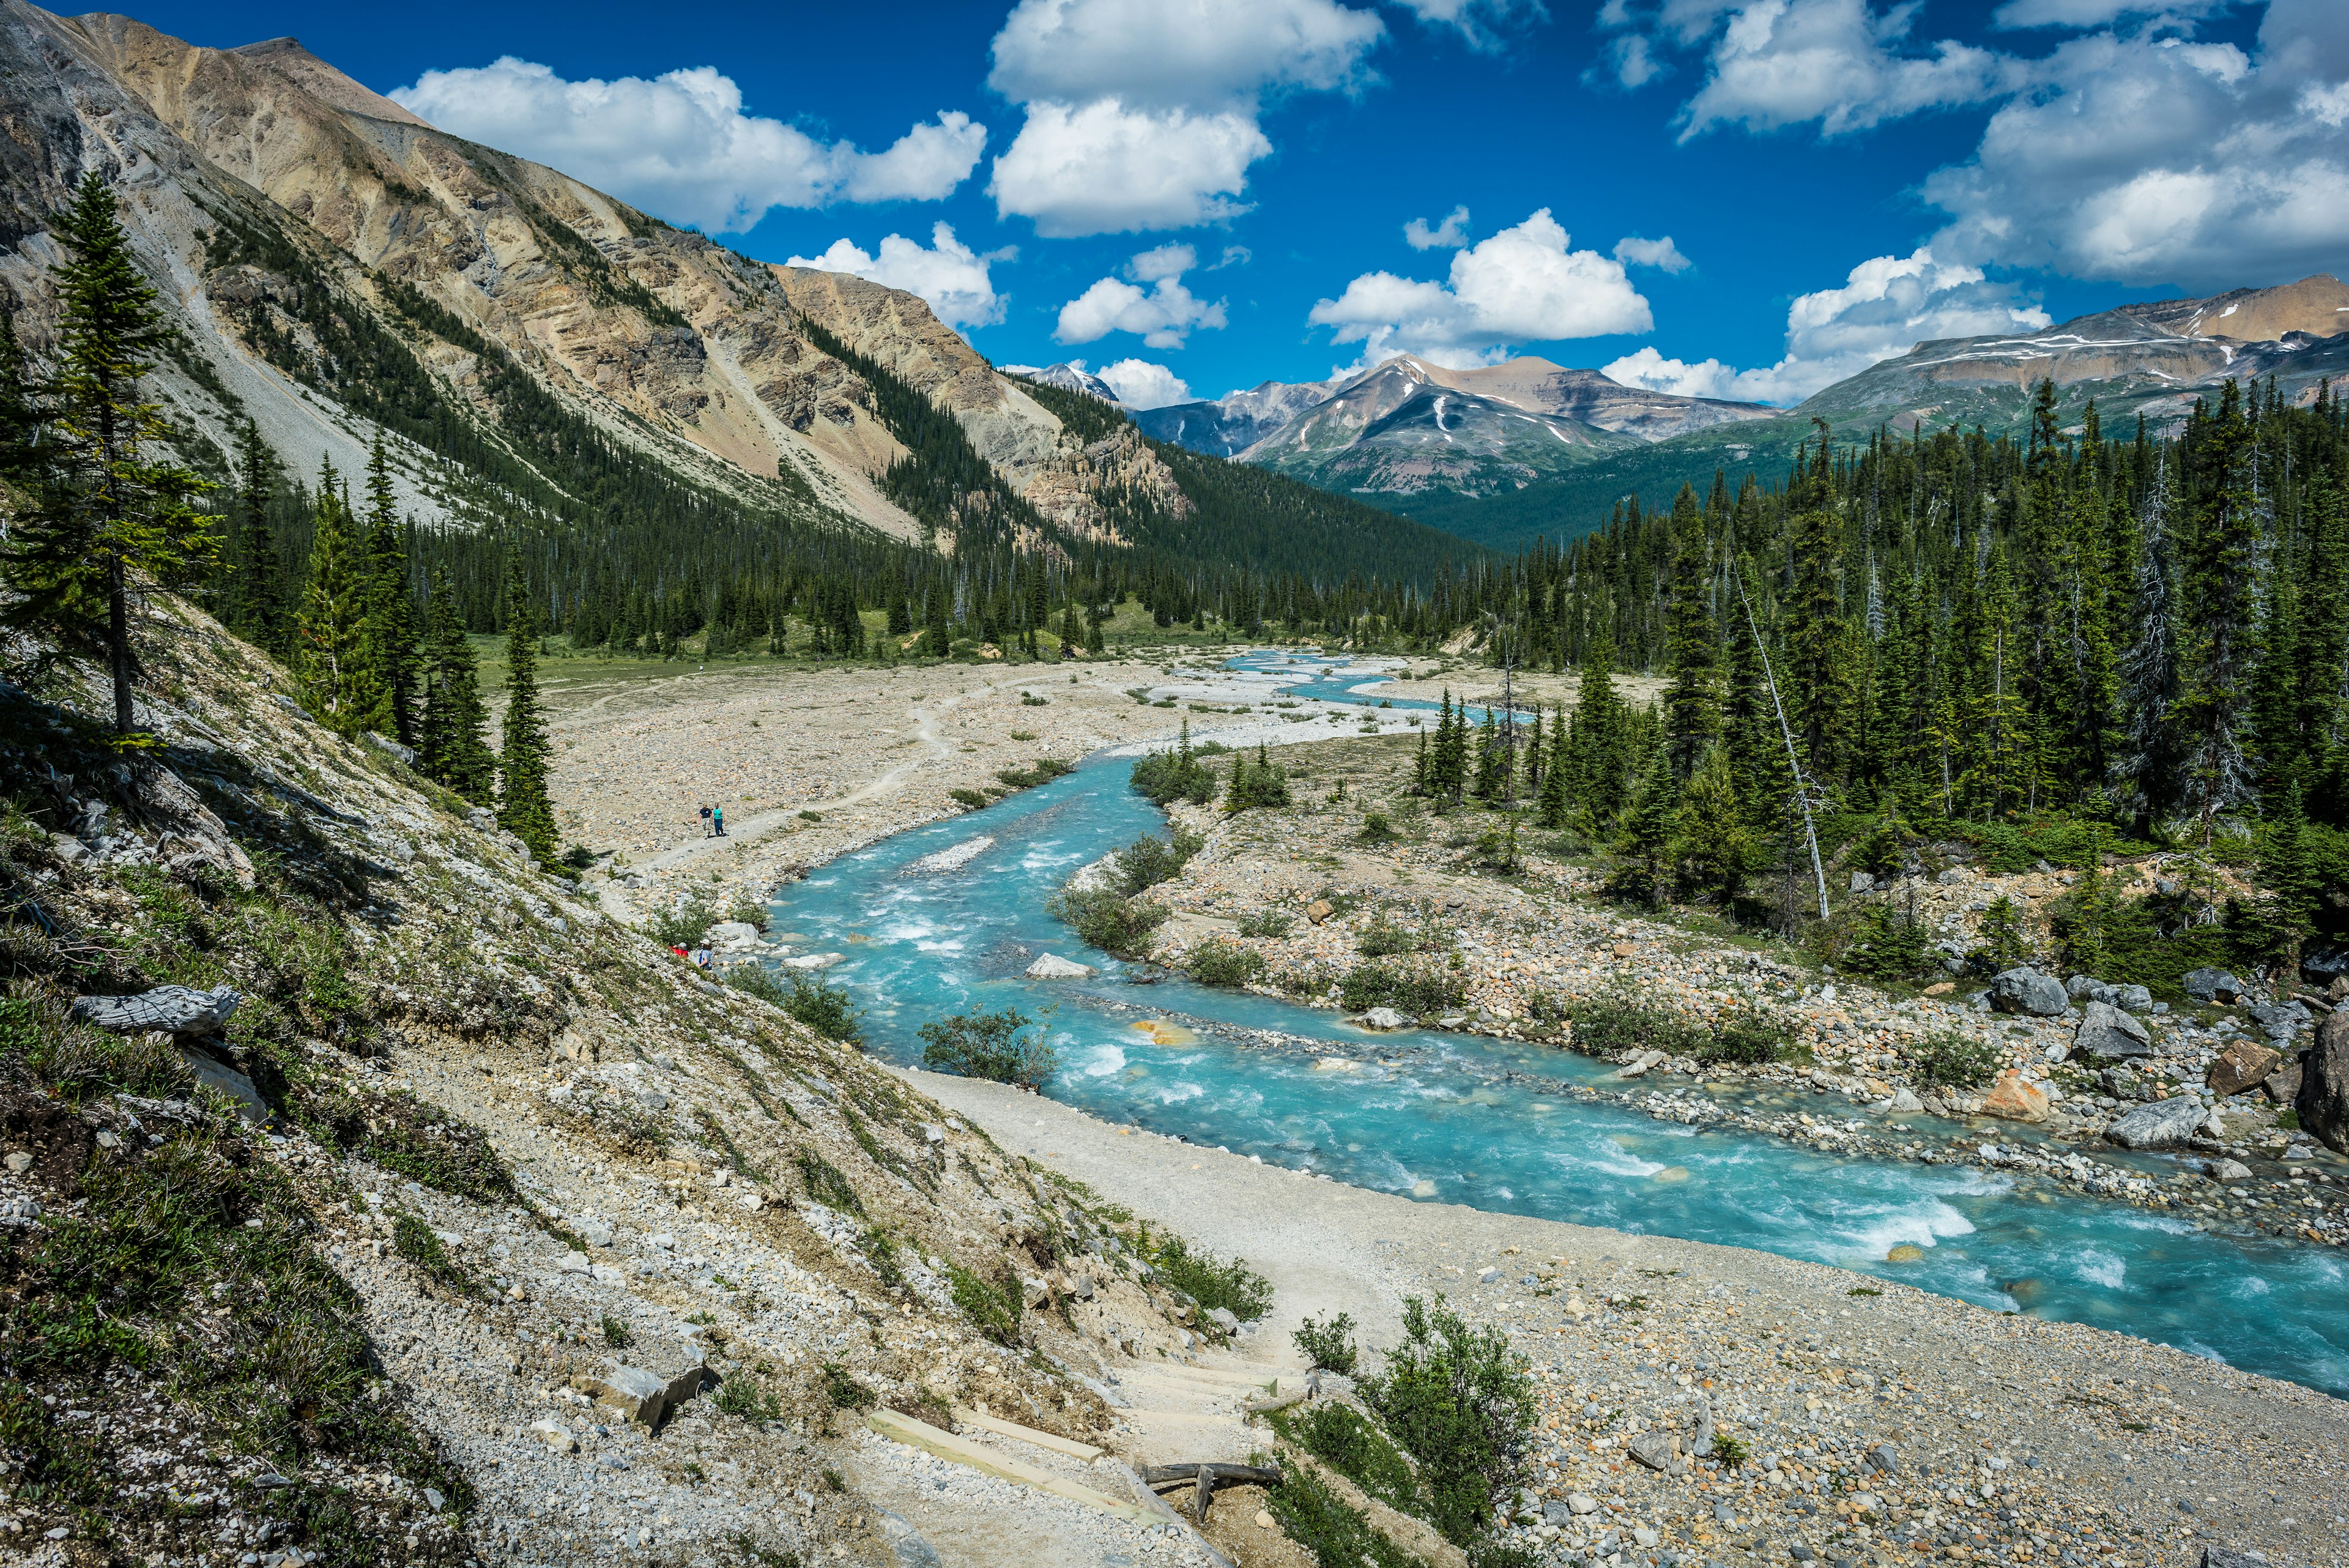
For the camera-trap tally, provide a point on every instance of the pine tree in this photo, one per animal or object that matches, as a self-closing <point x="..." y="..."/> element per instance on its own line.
<point x="1649" y="821"/>
<point x="939" y="641"/>
<point x="2289" y="875"/>
<point x="256" y="599"/>
<point x="452" y="737"/>
<point x="332" y="651"/>
<point x="1599" y="728"/>
<point x="108" y="522"/>
<point x="2149" y="670"/>
<point x="391" y="631"/>
<point x="523" y="808"/>
<point x="2220" y="588"/>
<point x="1710" y="835"/>
<point x="1692" y="706"/>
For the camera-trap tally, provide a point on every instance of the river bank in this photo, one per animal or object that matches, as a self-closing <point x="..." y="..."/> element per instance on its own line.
<point x="1316" y="895"/>
<point x="1966" y="1435"/>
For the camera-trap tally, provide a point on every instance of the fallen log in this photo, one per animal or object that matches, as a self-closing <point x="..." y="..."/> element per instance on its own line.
<point x="1162" y="1477"/>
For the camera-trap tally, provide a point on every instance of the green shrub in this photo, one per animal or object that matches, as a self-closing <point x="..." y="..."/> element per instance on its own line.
<point x="750" y="912"/>
<point x="753" y="978"/>
<point x="685" y="925"/>
<point x="1218" y="962"/>
<point x="1210" y="1281"/>
<point x="1167" y="777"/>
<point x="826" y="1009"/>
<point x="1418" y="990"/>
<point x="1952" y="1061"/>
<point x="1150" y="859"/>
<point x="1259" y="783"/>
<point x="2002" y="944"/>
<point x="1748" y="1037"/>
<point x="1267" y="923"/>
<point x="1615" y="1022"/>
<point x="618" y="1334"/>
<point x="969" y="799"/>
<point x="993" y="1310"/>
<point x="415" y="1241"/>
<point x="1329" y="1345"/>
<point x="1045" y="771"/>
<point x="744" y="1395"/>
<point x="1730" y="1451"/>
<point x="1310" y="1514"/>
<point x="843" y="1391"/>
<point x="1383" y="939"/>
<point x="1002" y="1046"/>
<point x="1341" y="1438"/>
<point x="1377" y="829"/>
<point x="825" y="1183"/>
<point x="1461" y="1401"/>
<point x="1891" y="944"/>
<point x="1107" y="919"/>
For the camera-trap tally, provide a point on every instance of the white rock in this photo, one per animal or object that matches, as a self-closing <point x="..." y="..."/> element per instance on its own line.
<point x="573" y="1264"/>
<point x="557" y="1438"/>
<point x="813" y="960"/>
<point x="1578" y="1503"/>
<point x="1053" y="966"/>
<point x="1384" y="1018"/>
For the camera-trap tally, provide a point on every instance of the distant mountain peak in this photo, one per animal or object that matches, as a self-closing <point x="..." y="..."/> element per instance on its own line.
<point x="1067" y="377"/>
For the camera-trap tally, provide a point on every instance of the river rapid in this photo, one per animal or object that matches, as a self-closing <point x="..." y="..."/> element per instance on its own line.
<point x="1494" y="1124"/>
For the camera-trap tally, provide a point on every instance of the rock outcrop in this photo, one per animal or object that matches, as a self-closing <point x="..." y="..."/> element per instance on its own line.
<point x="2322" y="1102"/>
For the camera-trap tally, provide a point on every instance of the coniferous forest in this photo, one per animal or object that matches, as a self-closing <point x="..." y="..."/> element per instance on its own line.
<point x="2058" y="643"/>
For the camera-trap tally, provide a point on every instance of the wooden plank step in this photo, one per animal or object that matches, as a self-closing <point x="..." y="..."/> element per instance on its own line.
<point x="967" y="1417"/>
<point x="978" y="1456"/>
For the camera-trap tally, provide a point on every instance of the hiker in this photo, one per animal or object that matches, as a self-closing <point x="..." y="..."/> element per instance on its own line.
<point x="717" y="820"/>
<point x="705" y="822"/>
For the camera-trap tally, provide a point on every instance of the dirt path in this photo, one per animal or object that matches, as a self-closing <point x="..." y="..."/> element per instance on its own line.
<point x="926" y="732"/>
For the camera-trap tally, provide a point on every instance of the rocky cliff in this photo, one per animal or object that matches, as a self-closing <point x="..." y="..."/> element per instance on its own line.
<point x="337" y="266"/>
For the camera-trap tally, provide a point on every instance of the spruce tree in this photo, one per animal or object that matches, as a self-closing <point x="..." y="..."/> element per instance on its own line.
<point x="1649" y="821"/>
<point x="2219" y="589"/>
<point x="523" y="808"/>
<point x="392" y="631"/>
<point x="333" y="661"/>
<point x="1710" y="835"/>
<point x="256" y="599"/>
<point x="109" y="521"/>
<point x="1600" y="721"/>
<point x="453" y="735"/>
<point x="1692" y="705"/>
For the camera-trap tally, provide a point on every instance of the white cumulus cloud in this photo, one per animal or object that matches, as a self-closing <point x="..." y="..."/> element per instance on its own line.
<point x="1144" y="114"/>
<point x="1842" y="63"/>
<point x="1161" y="315"/>
<point x="1448" y="235"/>
<point x="1105" y="169"/>
<point x="948" y="275"/>
<point x="1139" y="384"/>
<point x="2150" y="158"/>
<point x="2132" y="151"/>
<point x="1523" y="285"/>
<point x="1483" y="24"/>
<point x="680" y="145"/>
<point x="1886" y="306"/>
<point x="1661" y="255"/>
<point x="1180" y="54"/>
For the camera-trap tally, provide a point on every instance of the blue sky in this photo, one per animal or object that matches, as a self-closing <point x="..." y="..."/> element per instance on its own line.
<point x="1208" y="193"/>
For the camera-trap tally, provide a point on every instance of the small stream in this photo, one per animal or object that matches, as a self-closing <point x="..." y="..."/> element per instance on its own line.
<point x="1495" y="1125"/>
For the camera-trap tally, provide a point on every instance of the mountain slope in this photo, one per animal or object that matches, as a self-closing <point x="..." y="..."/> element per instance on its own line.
<point x="2153" y="360"/>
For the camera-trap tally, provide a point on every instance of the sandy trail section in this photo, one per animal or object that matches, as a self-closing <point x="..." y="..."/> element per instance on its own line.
<point x="2060" y="1439"/>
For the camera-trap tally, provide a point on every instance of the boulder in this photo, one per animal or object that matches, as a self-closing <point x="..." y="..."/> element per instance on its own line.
<point x="2322" y="1103"/>
<point x="1658" y="1451"/>
<point x="2241" y="1066"/>
<point x="2324" y="963"/>
<point x="733" y="933"/>
<point x="554" y="1436"/>
<point x="1384" y="1018"/>
<point x="1053" y="966"/>
<point x="2226" y="1171"/>
<point x="2016" y="1098"/>
<point x="642" y="1394"/>
<point x="2109" y="1034"/>
<point x="2160" y="1124"/>
<point x="173" y="1009"/>
<point x="2027" y="991"/>
<point x="2232" y="1557"/>
<point x="2130" y="998"/>
<point x="2087" y="988"/>
<point x="2280" y="1021"/>
<point x="1318" y="910"/>
<point x="2212" y="985"/>
<point x="1641" y="1063"/>
<point x="1863" y="882"/>
<point x="907" y="1547"/>
<point x="2283" y="1085"/>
